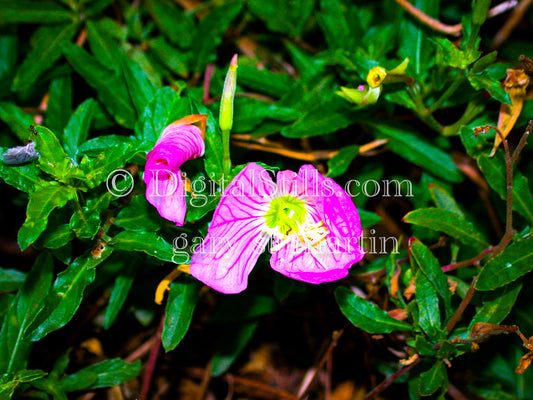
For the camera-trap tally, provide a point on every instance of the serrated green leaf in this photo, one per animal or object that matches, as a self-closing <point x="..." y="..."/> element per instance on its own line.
<point x="291" y="21"/>
<point x="14" y="349"/>
<point x="110" y="85"/>
<point x="210" y="32"/>
<point x="139" y="216"/>
<point x="418" y="151"/>
<point x="365" y="315"/>
<point x="233" y="341"/>
<point x="172" y="22"/>
<point x="11" y="279"/>
<point x="16" y="119"/>
<point x="77" y="129"/>
<point x="42" y="12"/>
<point x="515" y="261"/>
<point x="48" y="41"/>
<point x="433" y="379"/>
<point x="182" y="299"/>
<point x="66" y="295"/>
<point x="339" y="163"/>
<point x="103" y="374"/>
<point x="147" y="242"/>
<point x="42" y="202"/>
<point x="448" y="222"/>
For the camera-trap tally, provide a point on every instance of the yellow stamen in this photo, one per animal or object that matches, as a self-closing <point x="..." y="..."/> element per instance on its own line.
<point x="164" y="285"/>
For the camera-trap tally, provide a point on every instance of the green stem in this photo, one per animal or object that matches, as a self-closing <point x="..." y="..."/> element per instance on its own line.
<point x="421" y="111"/>
<point x="447" y="93"/>
<point x="226" y="154"/>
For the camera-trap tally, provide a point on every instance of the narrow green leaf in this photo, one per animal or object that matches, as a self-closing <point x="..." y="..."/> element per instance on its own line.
<point x="48" y="41"/>
<point x="264" y="81"/>
<point x="368" y="218"/>
<point x="484" y="81"/>
<point x="182" y="299"/>
<point x="85" y="223"/>
<point x="103" y="45"/>
<point x="430" y="267"/>
<point x="291" y="21"/>
<point x="172" y="22"/>
<point x="497" y="304"/>
<point x="173" y="59"/>
<point x="10" y="382"/>
<point x="8" y="61"/>
<point x="339" y="163"/>
<point x="413" y="149"/>
<point x="111" y="86"/>
<point x="54" y="160"/>
<point x="433" y="379"/>
<point x="10" y="279"/>
<point x="42" y="202"/>
<point x="16" y="119"/>
<point x="210" y="32"/>
<point x="516" y="260"/>
<point x="119" y="293"/>
<point x="428" y="306"/>
<point x="332" y="19"/>
<point x="59" y="104"/>
<point x="77" y="129"/>
<point x="233" y="342"/>
<point x="33" y="12"/>
<point x="57" y="238"/>
<point x="139" y="216"/>
<point x="140" y="88"/>
<point x="443" y="199"/>
<point x="448" y="222"/>
<point x="66" y="295"/>
<point x="14" y="349"/>
<point x="365" y="315"/>
<point x="103" y="374"/>
<point x="147" y="242"/>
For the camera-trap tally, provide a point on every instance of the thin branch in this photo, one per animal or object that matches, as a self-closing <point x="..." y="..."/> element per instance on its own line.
<point x="389" y="380"/>
<point x="152" y="361"/>
<point x="462" y="307"/>
<point x="522" y="143"/>
<point x="511" y="23"/>
<point x="473" y="261"/>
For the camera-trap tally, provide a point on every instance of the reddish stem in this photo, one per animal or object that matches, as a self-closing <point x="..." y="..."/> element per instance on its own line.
<point x="152" y="360"/>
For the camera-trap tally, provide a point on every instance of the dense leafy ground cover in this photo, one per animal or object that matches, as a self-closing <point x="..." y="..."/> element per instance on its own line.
<point x="401" y="108"/>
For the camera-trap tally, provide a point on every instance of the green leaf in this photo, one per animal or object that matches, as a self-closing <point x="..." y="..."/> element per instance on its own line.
<point x="11" y="279"/>
<point x="172" y="22"/>
<point x="433" y="379"/>
<point x="139" y="216"/>
<point x="496" y="304"/>
<point x="182" y="299"/>
<point x="77" y="129"/>
<point x="25" y="178"/>
<point x="443" y="199"/>
<point x="234" y="340"/>
<point x="332" y="19"/>
<point x="9" y="382"/>
<point x="110" y="85"/>
<point x="413" y="149"/>
<point x="368" y="218"/>
<point x="140" y="88"/>
<point x="164" y="108"/>
<point x="484" y="81"/>
<point x="47" y="43"/>
<point x="14" y="349"/>
<point x="175" y="60"/>
<point x="103" y="374"/>
<point x="16" y="119"/>
<point x="59" y="104"/>
<point x="103" y="45"/>
<point x="366" y="315"/>
<point x="8" y="61"/>
<point x="428" y="306"/>
<point x="66" y="295"/>
<point x="264" y="81"/>
<point x="147" y="242"/>
<point x="448" y="54"/>
<point x="291" y="21"/>
<point x="493" y="169"/>
<point x="119" y="293"/>
<point x="42" y="202"/>
<point x="339" y="163"/>
<point x="210" y="32"/>
<point x="58" y="237"/>
<point x="479" y="11"/>
<point x="85" y="223"/>
<point x="516" y="260"/>
<point x="33" y="12"/>
<point x="249" y="113"/>
<point x="430" y="267"/>
<point x="448" y="222"/>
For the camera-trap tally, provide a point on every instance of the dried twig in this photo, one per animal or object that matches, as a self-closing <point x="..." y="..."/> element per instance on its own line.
<point x="511" y="23"/>
<point x="462" y="307"/>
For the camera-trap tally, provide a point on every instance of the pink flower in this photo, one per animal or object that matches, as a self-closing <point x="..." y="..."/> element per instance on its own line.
<point x="179" y="142"/>
<point x="312" y="224"/>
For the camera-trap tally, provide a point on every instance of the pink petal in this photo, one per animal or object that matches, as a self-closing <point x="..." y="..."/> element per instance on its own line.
<point x="236" y="236"/>
<point x="165" y="192"/>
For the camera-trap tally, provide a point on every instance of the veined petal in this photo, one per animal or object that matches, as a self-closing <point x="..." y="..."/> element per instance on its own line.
<point x="165" y="191"/>
<point x="237" y="235"/>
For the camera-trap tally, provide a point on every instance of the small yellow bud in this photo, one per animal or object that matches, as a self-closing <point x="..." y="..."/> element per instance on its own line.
<point x="226" y="105"/>
<point x="376" y="76"/>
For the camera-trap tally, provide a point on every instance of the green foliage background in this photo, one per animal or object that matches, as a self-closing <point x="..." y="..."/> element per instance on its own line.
<point x="113" y="74"/>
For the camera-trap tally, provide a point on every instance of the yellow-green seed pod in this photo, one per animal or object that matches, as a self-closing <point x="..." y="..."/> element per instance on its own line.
<point x="226" y="105"/>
